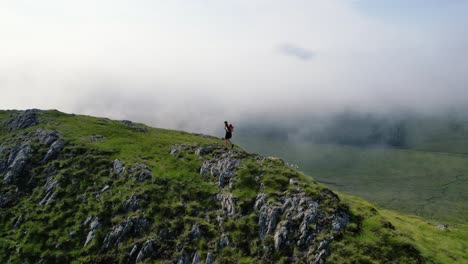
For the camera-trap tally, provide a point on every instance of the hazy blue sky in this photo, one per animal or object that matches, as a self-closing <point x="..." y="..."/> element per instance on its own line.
<point x="187" y="64"/>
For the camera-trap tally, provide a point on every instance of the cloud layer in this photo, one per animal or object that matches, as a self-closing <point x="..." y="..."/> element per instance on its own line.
<point x="188" y="65"/>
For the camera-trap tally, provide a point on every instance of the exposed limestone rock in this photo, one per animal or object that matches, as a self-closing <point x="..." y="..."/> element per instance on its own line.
<point x="94" y="225"/>
<point x="122" y="231"/>
<point x="178" y="148"/>
<point x="442" y="227"/>
<point x="196" y="258"/>
<point x="18" y="222"/>
<point x="136" y="127"/>
<point x="224" y="167"/>
<point x="140" y="172"/>
<point x="118" y="167"/>
<point x="195" y="232"/>
<point x="18" y="162"/>
<point x="228" y="203"/>
<point x="183" y="258"/>
<point x="130" y="205"/>
<point x="49" y="189"/>
<point x="224" y="241"/>
<point x="8" y="199"/>
<point x="147" y="250"/>
<point x="340" y="220"/>
<point x="24" y="120"/>
<point x="54" y="150"/>
<point x="133" y="253"/>
<point x="47" y="137"/>
<point x="209" y="258"/>
<point x="204" y="150"/>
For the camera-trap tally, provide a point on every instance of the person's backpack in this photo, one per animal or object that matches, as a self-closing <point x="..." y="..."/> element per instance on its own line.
<point x="231" y="128"/>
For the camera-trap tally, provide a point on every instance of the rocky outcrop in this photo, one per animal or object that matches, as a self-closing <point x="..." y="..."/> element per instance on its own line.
<point x="96" y="138"/>
<point x="140" y="172"/>
<point x="8" y="199"/>
<point x="47" y="137"/>
<point x="54" y="150"/>
<point x="130" y="205"/>
<point x="130" y="226"/>
<point x="224" y="167"/>
<point x="133" y="126"/>
<point x="18" y="163"/>
<point x="94" y="225"/>
<point x="147" y="250"/>
<point x="117" y="167"/>
<point x="23" y="120"/>
<point x="228" y="203"/>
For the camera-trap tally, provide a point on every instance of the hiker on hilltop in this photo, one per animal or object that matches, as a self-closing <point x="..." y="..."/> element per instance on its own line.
<point x="229" y="129"/>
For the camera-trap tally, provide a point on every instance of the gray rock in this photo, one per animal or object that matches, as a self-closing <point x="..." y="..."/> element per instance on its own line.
<point x="130" y="205"/>
<point x="224" y="167"/>
<point x="94" y="225"/>
<point x="204" y="150"/>
<point x="49" y="189"/>
<point x="54" y="150"/>
<point x="442" y="227"/>
<point x="340" y="220"/>
<point x="195" y="232"/>
<point x="8" y="198"/>
<point x="18" y="162"/>
<point x="47" y="137"/>
<point x="121" y="232"/>
<point x="224" y="241"/>
<point x="228" y="203"/>
<point x="209" y="258"/>
<point x="147" y="250"/>
<point x="196" y="258"/>
<point x="105" y="188"/>
<point x="267" y="220"/>
<point x="18" y="222"/>
<point x="183" y="258"/>
<point x="118" y="167"/>
<point x="140" y="172"/>
<point x="24" y="120"/>
<point x="133" y="126"/>
<point x="133" y="253"/>
<point x="178" y="148"/>
<point x="281" y="234"/>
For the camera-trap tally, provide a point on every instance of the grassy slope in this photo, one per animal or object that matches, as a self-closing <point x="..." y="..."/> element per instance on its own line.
<point x="178" y="189"/>
<point x="433" y="185"/>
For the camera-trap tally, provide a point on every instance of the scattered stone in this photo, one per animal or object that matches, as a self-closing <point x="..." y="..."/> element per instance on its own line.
<point x="105" y="188"/>
<point x="18" y="222"/>
<point x="224" y="241"/>
<point x="49" y="189"/>
<point x="442" y="227"/>
<point x="340" y="220"/>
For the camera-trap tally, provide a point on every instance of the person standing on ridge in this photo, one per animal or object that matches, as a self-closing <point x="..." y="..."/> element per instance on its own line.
<point x="227" y="138"/>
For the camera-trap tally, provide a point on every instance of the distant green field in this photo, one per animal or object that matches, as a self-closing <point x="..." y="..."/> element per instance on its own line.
<point x="433" y="185"/>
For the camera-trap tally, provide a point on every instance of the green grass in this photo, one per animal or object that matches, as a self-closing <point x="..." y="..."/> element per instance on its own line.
<point x="433" y="185"/>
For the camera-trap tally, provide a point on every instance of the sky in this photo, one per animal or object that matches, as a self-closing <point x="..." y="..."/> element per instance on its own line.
<point x="193" y="64"/>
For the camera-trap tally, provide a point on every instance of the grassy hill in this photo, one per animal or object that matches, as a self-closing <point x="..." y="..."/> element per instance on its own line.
<point x="80" y="189"/>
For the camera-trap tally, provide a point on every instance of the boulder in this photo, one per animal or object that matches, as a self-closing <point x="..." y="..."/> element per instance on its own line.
<point x="140" y="172"/>
<point x="228" y="203"/>
<point x="94" y="225"/>
<point x="133" y="126"/>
